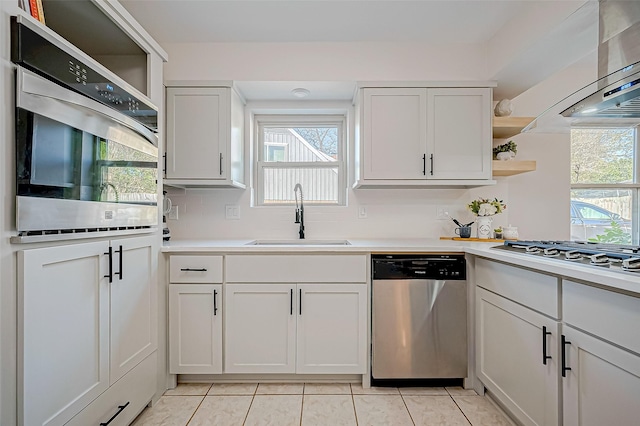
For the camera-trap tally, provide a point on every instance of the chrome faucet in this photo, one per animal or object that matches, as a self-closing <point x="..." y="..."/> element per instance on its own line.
<point x="299" y="210"/>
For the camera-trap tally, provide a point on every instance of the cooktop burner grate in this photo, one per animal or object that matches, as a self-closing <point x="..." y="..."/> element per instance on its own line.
<point x="613" y="256"/>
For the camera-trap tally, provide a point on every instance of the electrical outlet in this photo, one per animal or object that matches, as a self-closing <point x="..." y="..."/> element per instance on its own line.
<point x="362" y="212"/>
<point x="173" y="213"/>
<point x="441" y="213"/>
<point x="232" y="211"/>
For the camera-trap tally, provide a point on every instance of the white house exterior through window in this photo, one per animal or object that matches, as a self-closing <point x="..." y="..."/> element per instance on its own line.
<point x="304" y="149"/>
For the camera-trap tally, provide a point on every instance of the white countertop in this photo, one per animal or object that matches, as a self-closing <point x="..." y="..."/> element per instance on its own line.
<point x="625" y="281"/>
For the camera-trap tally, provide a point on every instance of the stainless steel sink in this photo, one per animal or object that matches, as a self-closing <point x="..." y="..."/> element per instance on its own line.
<point x="299" y="243"/>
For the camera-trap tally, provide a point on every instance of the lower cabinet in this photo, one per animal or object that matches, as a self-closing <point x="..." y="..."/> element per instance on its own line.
<point x="87" y="319"/>
<point x="295" y="328"/>
<point x="195" y="328"/>
<point x="517" y="358"/>
<point x="601" y="382"/>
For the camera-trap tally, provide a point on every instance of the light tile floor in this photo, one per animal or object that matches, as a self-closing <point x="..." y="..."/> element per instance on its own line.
<point x="319" y="405"/>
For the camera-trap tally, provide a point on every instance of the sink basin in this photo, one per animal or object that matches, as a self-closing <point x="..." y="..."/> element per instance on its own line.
<point x="299" y="243"/>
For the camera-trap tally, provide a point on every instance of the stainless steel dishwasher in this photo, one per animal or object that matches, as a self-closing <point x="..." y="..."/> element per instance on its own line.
<point x="419" y="316"/>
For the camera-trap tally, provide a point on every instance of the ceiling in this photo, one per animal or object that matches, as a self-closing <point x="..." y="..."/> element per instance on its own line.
<point x="449" y="21"/>
<point x="441" y="22"/>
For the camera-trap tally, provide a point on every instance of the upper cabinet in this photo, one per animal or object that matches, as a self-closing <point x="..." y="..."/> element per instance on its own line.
<point x="423" y="137"/>
<point x="204" y="137"/>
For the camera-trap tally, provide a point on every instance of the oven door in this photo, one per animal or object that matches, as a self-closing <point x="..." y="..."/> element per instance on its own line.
<point x="80" y="165"/>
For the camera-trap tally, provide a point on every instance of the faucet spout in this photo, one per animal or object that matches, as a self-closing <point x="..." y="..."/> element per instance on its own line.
<point x="300" y="209"/>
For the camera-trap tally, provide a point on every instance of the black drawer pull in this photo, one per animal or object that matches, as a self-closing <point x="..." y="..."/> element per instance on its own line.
<point x="565" y="342"/>
<point x="120" y="409"/>
<point x="431" y="159"/>
<point x="291" y="302"/>
<point x="424" y="164"/>
<point x="545" y="357"/>
<point x="110" y="274"/>
<point x="215" y="302"/>
<point x="119" y="274"/>
<point x="300" y="301"/>
<point x="194" y="269"/>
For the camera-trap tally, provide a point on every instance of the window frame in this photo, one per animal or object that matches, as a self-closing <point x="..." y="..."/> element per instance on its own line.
<point x="291" y="120"/>
<point x="633" y="188"/>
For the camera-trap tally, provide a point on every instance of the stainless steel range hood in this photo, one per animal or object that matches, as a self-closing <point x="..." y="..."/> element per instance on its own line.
<point x="614" y="99"/>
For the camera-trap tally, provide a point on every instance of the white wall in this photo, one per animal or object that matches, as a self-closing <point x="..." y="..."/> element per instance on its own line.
<point x="537" y="202"/>
<point x="540" y="200"/>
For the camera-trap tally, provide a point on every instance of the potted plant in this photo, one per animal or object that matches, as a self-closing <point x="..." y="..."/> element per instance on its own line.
<point x="484" y="208"/>
<point x="498" y="232"/>
<point x="506" y="151"/>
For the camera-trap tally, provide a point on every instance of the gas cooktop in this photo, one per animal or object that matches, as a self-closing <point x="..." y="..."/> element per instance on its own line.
<point x="622" y="258"/>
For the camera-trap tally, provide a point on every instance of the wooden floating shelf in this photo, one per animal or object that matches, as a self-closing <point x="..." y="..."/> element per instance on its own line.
<point x="512" y="167"/>
<point x="505" y="127"/>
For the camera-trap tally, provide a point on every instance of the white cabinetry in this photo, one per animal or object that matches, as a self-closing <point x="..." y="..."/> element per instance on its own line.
<point x="601" y="369"/>
<point x="459" y="133"/>
<point x="260" y="325"/>
<point x="394" y="132"/>
<point x="424" y="136"/>
<point x="195" y="315"/>
<point x="86" y="320"/>
<point x="517" y="340"/>
<point x="204" y="137"/>
<point x="513" y="343"/>
<point x="281" y="325"/>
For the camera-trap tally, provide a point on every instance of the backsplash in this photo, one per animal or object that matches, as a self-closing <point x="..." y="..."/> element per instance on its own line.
<point x="391" y="213"/>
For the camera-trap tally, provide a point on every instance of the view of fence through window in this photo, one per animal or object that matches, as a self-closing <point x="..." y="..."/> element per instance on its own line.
<point x="604" y="185"/>
<point x="305" y="154"/>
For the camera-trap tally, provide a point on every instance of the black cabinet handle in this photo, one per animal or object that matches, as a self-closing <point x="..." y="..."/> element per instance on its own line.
<point x="164" y="157"/>
<point x="215" y="302"/>
<point x="110" y="274"/>
<point x="545" y="333"/>
<point x="220" y="164"/>
<point x="564" y="342"/>
<point x="291" y="302"/>
<point x="119" y="274"/>
<point x="120" y="409"/>
<point x="300" y="306"/>
<point x="194" y="269"/>
<point x="424" y="164"/>
<point x="431" y="159"/>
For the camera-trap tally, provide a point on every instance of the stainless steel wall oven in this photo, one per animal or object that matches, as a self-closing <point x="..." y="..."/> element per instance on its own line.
<point x="82" y="164"/>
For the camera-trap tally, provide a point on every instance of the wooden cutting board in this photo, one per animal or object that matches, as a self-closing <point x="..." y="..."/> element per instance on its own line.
<point x="483" y="240"/>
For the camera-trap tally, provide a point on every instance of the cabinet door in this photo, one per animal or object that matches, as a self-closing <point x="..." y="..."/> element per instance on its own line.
<point x="459" y="133"/>
<point x="260" y="328"/>
<point x="603" y="384"/>
<point x="198" y="129"/>
<point x="509" y="357"/>
<point x="134" y="298"/>
<point x="394" y="133"/>
<point x="63" y="331"/>
<point x="195" y="329"/>
<point x="332" y="328"/>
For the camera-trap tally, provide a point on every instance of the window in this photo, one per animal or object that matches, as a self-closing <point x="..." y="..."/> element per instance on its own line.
<point x="304" y="149"/>
<point x="605" y="185"/>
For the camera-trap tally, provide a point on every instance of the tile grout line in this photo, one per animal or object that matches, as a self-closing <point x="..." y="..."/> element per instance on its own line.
<point x="253" y="397"/>
<point x="353" y="401"/>
<point x="459" y="408"/>
<point x="302" y="403"/>
<point x="196" y="410"/>
<point x="406" y="407"/>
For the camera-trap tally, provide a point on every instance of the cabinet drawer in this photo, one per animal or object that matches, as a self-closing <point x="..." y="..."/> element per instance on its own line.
<point x="195" y="269"/>
<point x="532" y="289"/>
<point x="296" y="268"/>
<point x="609" y="315"/>
<point x="137" y="387"/>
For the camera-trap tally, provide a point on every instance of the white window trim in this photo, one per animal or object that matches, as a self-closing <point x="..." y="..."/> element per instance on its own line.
<point x="300" y="120"/>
